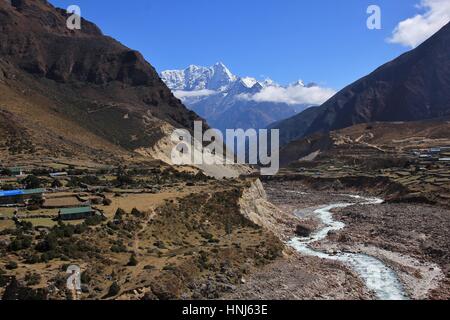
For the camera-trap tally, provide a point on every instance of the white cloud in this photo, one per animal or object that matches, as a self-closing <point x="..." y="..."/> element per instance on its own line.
<point x="180" y="94"/>
<point x="413" y="31"/>
<point x="293" y="95"/>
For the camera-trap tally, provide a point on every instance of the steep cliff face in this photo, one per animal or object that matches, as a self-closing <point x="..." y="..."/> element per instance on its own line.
<point x="256" y="207"/>
<point x="77" y="90"/>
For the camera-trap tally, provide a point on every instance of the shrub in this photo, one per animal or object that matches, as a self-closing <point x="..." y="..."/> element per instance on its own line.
<point x="107" y="202"/>
<point x="136" y="213"/>
<point x="11" y="265"/>
<point x="133" y="261"/>
<point x="123" y="178"/>
<point x="118" y="247"/>
<point x="149" y="267"/>
<point x="159" y="244"/>
<point x="119" y="214"/>
<point x="94" y="220"/>
<point x="32" y="279"/>
<point x="169" y="267"/>
<point x="20" y="243"/>
<point x="32" y="182"/>
<point x="85" y="277"/>
<point x="32" y="259"/>
<point x="114" y="289"/>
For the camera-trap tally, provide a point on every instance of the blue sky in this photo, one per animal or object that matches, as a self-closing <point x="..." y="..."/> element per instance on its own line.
<point x="325" y="41"/>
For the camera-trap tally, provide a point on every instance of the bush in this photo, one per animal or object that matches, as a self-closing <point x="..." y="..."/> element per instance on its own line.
<point x="119" y="214"/>
<point x="133" y="261"/>
<point x="20" y="243"/>
<point x="11" y="265"/>
<point x="114" y="289"/>
<point x="32" y="259"/>
<point x="118" y="247"/>
<point x="107" y="202"/>
<point x="32" y="182"/>
<point x="159" y="244"/>
<point x="95" y="220"/>
<point x="32" y="279"/>
<point x="149" y="267"/>
<point x="123" y="178"/>
<point x="85" y="277"/>
<point x="136" y="213"/>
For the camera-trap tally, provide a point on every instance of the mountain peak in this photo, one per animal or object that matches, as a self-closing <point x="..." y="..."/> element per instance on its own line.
<point x="297" y="84"/>
<point x="249" y="82"/>
<point x="194" y="78"/>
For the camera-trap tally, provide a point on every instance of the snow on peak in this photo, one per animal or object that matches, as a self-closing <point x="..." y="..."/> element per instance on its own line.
<point x="196" y="83"/>
<point x="269" y="83"/>
<point x="297" y="84"/>
<point x="249" y="82"/>
<point x="195" y="78"/>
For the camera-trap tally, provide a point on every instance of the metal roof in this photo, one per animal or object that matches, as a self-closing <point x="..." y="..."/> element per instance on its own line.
<point x="75" y="210"/>
<point x="33" y="191"/>
<point x="12" y="193"/>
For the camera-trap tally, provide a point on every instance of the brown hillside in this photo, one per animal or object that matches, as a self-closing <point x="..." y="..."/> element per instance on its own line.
<point x="79" y="92"/>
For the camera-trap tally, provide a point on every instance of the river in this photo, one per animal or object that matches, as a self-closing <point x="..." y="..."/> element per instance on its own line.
<point x="378" y="277"/>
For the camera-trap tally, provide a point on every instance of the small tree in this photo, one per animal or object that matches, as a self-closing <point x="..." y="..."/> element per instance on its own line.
<point x="12" y="265"/>
<point x="136" y="213"/>
<point x="119" y="214"/>
<point x="32" y="182"/>
<point x="123" y="178"/>
<point x="133" y="261"/>
<point x="114" y="289"/>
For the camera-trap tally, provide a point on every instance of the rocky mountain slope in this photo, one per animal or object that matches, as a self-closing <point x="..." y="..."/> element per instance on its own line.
<point x="227" y="101"/>
<point x="382" y="138"/>
<point x="413" y="87"/>
<point x="79" y="92"/>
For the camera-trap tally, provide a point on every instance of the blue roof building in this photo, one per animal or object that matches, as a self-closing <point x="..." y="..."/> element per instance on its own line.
<point x="19" y="196"/>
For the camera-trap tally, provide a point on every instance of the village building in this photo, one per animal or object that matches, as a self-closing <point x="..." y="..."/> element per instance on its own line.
<point x="58" y="174"/>
<point x="20" y="197"/>
<point x="80" y="213"/>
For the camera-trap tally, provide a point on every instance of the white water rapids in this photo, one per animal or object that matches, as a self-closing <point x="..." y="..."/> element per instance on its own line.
<point x="377" y="276"/>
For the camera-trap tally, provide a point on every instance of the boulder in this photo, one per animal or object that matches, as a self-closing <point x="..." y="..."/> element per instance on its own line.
<point x="303" y="230"/>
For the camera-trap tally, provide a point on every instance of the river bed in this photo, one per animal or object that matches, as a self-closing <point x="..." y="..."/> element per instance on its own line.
<point x="378" y="277"/>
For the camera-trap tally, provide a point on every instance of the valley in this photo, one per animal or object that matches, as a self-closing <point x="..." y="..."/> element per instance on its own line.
<point x="152" y="233"/>
<point x="398" y="236"/>
<point x="93" y="205"/>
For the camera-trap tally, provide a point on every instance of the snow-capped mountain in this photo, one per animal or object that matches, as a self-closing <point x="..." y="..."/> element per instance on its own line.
<point x="227" y="101"/>
<point x="195" y="78"/>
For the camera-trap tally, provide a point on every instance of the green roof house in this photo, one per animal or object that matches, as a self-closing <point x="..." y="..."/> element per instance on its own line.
<point x="80" y="213"/>
<point x="16" y="171"/>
